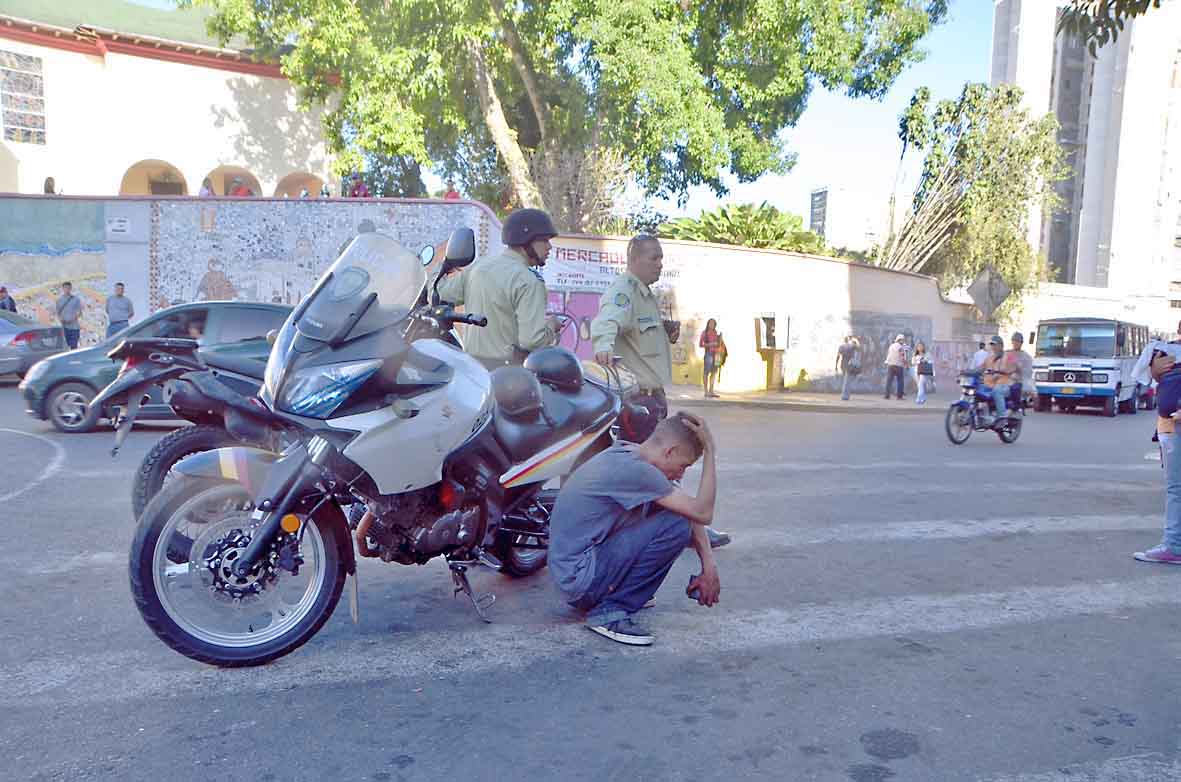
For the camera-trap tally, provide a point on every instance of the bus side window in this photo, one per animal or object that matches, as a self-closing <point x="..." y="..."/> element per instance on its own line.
<point x="1121" y="340"/>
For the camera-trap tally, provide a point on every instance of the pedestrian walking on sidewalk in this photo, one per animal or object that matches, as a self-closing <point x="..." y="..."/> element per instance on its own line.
<point x="713" y="351"/>
<point x="120" y="311"/>
<point x="924" y="372"/>
<point x="69" y="310"/>
<point x="896" y="364"/>
<point x="1161" y="361"/>
<point x="848" y="363"/>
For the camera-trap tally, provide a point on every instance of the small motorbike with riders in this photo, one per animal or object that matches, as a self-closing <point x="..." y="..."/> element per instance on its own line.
<point x="980" y="390"/>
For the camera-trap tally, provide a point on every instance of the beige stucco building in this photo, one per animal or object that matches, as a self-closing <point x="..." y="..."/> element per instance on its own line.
<point x="123" y="112"/>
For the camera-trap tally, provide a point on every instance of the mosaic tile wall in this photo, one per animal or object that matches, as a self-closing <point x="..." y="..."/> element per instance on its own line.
<point x="202" y="250"/>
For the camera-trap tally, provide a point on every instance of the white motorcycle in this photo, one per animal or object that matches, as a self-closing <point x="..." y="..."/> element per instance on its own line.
<point x="244" y="557"/>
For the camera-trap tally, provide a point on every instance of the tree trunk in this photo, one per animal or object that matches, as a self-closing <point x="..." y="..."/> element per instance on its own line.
<point x="503" y="135"/>
<point x="524" y="69"/>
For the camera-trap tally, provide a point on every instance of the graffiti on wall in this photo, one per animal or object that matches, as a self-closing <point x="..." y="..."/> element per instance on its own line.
<point x="274" y="251"/>
<point x="44" y="243"/>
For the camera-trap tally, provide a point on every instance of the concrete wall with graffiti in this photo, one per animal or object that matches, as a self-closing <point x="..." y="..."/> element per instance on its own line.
<point x="173" y="250"/>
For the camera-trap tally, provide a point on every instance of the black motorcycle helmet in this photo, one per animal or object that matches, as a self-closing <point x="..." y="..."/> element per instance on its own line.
<point x="523" y="226"/>
<point x="557" y="367"/>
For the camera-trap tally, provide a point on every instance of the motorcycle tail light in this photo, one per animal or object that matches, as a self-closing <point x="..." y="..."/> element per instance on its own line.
<point x="450" y="495"/>
<point x="129" y="363"/>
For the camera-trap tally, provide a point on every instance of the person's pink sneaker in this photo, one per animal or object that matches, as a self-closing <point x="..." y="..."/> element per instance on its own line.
<point x="1160" y="554"/>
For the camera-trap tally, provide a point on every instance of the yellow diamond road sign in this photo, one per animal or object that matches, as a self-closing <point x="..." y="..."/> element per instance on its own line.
<point x="989" y="291"/>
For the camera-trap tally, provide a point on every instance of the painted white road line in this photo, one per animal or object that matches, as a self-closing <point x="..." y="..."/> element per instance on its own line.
<point x="1139" y="768"/>
<point x="787" y="490"/>
<point x="1135" y="465"/>
<point x="54" y="466"/>
<point x="133" y="674"/>
<point x="940" y="529"/>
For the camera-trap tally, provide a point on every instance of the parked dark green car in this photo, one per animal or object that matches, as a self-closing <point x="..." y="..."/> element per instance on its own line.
<point x="59" y="388"/>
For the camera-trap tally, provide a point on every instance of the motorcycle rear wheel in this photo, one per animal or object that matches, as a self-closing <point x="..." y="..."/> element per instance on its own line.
<point x="211" y="619"/>
<point x="520" y="562"/>
<point x="1010" y="432"/>
<point x="154" y="470"/>
<point x="958" y="424"/>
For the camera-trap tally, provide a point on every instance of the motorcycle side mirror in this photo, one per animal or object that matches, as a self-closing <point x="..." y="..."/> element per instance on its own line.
<point x="426" y="255"/>
<point x="272" y="335"/>
<point x="461" y="249"/>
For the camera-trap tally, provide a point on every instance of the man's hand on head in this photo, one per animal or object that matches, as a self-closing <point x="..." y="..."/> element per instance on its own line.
<point x="698" y="427"/>
<point x="603" y="358"/>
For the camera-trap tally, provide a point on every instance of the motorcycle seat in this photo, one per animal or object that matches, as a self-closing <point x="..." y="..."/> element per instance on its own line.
<point x="249" y="367"/>
<point x="568" y="413"/>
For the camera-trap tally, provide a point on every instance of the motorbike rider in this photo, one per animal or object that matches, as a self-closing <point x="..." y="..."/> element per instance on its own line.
<point x="504" y="289"/>
<point x="629" y="324"/>
<point x="999" y="371"/>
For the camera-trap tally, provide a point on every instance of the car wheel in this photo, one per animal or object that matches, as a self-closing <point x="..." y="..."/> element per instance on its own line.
<point x="69" y="410"/>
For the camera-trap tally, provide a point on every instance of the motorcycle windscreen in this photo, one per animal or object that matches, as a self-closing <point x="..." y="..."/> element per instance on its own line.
<point x="374" y="283"/>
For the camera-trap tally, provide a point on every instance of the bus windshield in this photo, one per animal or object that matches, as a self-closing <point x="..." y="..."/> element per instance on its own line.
<point x="1076" y="340"/>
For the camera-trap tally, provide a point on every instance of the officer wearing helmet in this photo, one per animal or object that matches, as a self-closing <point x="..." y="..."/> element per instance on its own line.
<point x="505" y="289"/>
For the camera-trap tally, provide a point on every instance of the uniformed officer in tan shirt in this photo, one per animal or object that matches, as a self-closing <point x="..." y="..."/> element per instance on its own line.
<point x="629" y="326"/>
<point x="504" y="289"/>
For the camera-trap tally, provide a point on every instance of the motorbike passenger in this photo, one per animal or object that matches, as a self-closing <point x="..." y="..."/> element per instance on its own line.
<point x="999" y="371"/>
<point x="1023" y="362"/>
<point x="504" y="289"/>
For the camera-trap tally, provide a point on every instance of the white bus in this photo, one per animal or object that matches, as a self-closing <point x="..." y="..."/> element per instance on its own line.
<point x="1088" y="362"/>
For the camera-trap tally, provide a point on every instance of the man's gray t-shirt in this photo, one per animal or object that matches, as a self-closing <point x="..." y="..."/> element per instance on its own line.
<point x="119" y="308"/>
<point x="68" y="310"/>
<point x="609" y="492"/>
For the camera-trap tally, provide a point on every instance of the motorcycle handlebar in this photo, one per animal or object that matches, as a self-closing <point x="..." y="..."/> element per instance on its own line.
<point x="474" y="320"/>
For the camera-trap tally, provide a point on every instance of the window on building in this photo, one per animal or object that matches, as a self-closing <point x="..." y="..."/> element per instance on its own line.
<point x="22" y="98"/>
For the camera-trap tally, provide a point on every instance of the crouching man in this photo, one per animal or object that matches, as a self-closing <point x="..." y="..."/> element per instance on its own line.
<point x="620" y="522"/>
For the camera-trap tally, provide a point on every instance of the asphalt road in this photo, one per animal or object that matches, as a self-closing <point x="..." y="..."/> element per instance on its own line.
<point x="893" y="608"/>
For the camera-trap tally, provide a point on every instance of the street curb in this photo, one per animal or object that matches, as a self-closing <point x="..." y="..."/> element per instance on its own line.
<point x="807" y="407"/>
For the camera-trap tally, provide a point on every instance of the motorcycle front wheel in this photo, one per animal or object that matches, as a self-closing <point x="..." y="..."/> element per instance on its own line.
<point x="958" y="424"/>
<point x="181" y="578"/>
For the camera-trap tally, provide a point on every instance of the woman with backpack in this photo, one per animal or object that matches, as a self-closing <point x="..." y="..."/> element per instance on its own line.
<point x="924" y="372"/>
<point x="713" y="349"/>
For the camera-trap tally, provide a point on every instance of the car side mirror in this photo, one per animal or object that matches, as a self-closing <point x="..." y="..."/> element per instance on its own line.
<point x="426" y="255"/>
<point x="272" y="335"/>
<point x="461" y="249"/>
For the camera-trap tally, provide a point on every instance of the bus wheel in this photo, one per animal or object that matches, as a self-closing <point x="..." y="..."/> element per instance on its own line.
<point x="1043" y="403"/>
<point x="1109" y="407"/>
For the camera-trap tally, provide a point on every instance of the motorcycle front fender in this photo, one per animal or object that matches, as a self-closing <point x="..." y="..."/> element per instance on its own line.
<point x="962" y="404"/>
<point x="247" y="466"/>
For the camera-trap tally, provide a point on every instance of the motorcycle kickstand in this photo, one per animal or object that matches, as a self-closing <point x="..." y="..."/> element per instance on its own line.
<point x="480" y="602"/>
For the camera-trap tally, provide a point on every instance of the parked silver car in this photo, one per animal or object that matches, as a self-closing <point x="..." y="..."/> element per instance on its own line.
<point x="24" y="342"/>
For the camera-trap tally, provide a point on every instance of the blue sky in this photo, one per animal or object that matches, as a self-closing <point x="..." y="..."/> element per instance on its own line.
<point x="841" y="142"/>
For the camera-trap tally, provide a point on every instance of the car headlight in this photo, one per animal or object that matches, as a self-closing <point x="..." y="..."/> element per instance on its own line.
<point x="317" y="391"/>
<point x="1042" y="376"/>
<point x="37" y="371"/>
<point x="1099" y="378"/>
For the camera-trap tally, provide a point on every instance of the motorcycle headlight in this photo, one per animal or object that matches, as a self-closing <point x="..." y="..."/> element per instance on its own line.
<point x="317" y="391"/>
<point x="1042" y="376"/>
<point x="1099" y="378"/>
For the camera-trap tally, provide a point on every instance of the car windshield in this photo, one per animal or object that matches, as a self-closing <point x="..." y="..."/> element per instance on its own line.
<point x="1076" y="340"/>
<point x="373" y="284"/>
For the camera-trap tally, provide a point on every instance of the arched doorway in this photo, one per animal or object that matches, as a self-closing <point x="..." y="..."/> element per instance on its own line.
<point x="225" y="179"/>
<point x="294" y="183"/>
<point x="153" y="177"/>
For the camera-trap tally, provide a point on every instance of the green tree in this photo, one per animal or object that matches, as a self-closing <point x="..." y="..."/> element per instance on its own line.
<point x="1097" y="22"/>
<point x="988" y="165"/>
<point x="683" y="93"/>
<point x="747" y="225"/>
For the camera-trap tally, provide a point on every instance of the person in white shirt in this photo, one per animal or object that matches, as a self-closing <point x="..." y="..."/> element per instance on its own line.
<point x="896" y="364"/>
<point x="980" y="356"/>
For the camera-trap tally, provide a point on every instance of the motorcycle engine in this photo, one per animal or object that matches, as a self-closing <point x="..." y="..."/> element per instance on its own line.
<point x="412" y="528"/>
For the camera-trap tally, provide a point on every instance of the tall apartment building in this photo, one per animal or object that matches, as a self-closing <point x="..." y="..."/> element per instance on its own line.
<point x="842" y="217"/>
<point x="1120" y="125"/>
